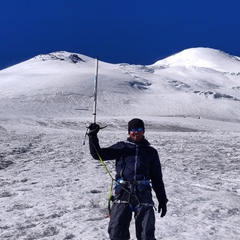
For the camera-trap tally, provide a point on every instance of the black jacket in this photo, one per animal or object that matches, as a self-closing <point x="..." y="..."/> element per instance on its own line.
<point x="134" y="162"/>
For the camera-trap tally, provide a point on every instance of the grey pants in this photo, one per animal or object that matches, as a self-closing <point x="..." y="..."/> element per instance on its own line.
<point x="121" y="216"/>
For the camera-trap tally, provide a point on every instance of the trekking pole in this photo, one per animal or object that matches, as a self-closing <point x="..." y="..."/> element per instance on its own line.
<point x="95" y="92"/>
<point x="94" y="97"/>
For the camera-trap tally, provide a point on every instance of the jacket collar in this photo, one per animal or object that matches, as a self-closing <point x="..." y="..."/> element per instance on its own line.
<point x="142" y="142"/>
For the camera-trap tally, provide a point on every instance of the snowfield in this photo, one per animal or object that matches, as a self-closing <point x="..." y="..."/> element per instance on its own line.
<point x="52" y="189"/>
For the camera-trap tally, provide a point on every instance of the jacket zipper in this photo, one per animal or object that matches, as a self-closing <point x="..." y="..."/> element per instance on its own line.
<point x="135" y="168"/>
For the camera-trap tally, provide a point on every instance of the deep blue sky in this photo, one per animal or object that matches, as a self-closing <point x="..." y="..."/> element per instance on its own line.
<point x="131" y="31"/>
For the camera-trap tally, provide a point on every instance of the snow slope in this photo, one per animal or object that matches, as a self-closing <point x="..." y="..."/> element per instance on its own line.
<point x="180" y="85"/>
<point x="51" y="188"/>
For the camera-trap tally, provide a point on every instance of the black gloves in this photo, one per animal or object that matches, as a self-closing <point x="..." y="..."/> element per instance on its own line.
<point x="93" y="129"/>
<point x="162" y="207"/>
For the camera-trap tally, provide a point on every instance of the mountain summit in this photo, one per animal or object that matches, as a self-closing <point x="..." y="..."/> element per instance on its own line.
<point x="205" y="58"/>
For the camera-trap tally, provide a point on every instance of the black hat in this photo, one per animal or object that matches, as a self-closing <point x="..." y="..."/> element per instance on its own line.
<point x="135" y="123"/>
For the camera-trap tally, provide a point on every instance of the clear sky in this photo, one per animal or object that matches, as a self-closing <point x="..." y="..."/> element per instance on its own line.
<point x="130" y="31"/>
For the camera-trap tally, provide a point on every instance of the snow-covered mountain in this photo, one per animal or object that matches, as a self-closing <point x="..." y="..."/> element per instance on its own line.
<point x="197" y="82"/>
<point x="52" y="189"/>
<point x="203" y="58"/>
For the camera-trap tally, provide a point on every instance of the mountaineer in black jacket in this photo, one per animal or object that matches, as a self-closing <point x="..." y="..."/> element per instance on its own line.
<point x="138" y="169"/>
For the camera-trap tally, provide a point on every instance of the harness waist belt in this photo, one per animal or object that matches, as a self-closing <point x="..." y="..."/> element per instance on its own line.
<point x="129" y="183"/>
<point x="127" y="202"/>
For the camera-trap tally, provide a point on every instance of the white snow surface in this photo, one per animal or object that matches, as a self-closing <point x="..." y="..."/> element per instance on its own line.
<point x="51" y="188"/>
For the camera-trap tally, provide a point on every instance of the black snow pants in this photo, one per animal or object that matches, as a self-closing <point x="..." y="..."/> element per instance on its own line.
<point x="120" y="218"/>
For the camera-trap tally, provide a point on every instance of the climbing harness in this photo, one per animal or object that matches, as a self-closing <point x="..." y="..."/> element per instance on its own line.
<point x="130" y="188"/>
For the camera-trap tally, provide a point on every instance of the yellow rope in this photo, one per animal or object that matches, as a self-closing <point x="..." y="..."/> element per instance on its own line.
<point x="113" y="180"/>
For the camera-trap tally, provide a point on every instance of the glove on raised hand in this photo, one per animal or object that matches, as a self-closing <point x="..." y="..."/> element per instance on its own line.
<point x="93" y="129"/>
<point x="162" y="208"/>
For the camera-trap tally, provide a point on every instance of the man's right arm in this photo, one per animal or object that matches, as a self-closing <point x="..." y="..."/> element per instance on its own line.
<point x="109" y="153"/>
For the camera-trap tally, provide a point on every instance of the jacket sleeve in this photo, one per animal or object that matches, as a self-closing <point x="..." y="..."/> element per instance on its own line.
<point x="113" y="152"/>
<point x="157" y="179"/>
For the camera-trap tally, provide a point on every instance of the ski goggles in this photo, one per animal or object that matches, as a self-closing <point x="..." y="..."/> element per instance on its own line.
<point x="140" y="129"/>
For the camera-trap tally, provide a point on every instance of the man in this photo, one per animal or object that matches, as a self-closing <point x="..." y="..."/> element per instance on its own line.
<point x="138" y="169"/>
